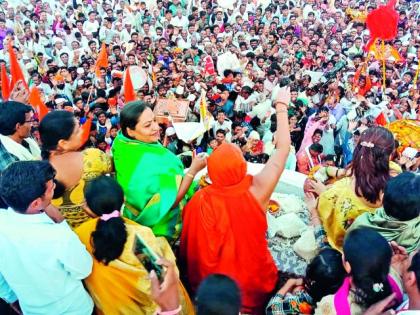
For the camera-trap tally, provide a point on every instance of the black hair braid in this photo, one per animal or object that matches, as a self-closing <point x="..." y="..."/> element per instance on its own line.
<point x="108" y="239"/>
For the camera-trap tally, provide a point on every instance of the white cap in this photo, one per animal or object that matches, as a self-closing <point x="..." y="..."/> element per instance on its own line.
<point x="191" y="97"/>
<point x="254" y="135"/>
<point x="80" y="82"/>
<point x="56" y="40"/>
<point x="60" y="100"/>
<point x="170" y="131"/>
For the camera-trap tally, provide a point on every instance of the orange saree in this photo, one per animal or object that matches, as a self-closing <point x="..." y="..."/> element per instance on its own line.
<point x="224" y="230"/>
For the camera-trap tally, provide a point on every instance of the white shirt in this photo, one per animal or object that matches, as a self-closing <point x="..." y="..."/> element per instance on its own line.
<point x="125" y="36"/>
<point x="89" y="26"/>
<point x="226" y="126"/>
<point x="180" y="22"/>
<point x="42" y="265"/>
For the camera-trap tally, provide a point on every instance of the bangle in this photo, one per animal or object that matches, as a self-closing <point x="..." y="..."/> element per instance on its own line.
<point x="190" y="175"/>
<point x="173" y="312"/>
<point x="279" y="111"/>
<point x="279" y="102"/>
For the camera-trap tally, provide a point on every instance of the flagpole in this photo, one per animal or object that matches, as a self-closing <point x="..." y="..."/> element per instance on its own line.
<point x="416" y="76"/>
<point x="383" y="66"/>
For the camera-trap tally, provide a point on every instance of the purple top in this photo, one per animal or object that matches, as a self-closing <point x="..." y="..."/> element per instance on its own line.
<point x="3" y="33"/>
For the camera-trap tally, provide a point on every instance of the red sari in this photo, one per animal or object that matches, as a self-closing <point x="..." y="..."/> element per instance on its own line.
<point x="224" y="229"/>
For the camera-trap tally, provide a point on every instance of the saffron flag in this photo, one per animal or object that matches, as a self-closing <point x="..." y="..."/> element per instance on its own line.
<point x="37" y="104"/>
<point x="15" y="70"/>
<point x="102" y="61"/>
<point x="129" y="93"/>
<point x="86" y="130"/>
<point x="385" y="53"/>
<point x="5" y="86"/>
<point x="381" y="120"/>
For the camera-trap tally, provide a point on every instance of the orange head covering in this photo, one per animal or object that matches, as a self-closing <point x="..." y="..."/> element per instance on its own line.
<point x="224" y="230"/>
<point x="226" y="165"/>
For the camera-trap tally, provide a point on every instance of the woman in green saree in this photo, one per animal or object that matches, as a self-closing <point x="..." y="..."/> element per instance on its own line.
<point x="152" y="177"/>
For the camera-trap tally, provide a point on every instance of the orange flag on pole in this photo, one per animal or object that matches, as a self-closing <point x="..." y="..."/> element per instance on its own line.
<point x="102" y="61"/>
<point x="5" y="84"/>
<point x="381" y="120"/>
<point x="15" y="70"/>
<point x="36" y="102"/>
<point x="86" y="130"/>
<point x="129" y="93"/>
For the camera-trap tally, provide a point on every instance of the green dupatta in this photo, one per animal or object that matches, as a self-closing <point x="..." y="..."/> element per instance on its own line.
<point x="405" y="233"/>
<point x="150" y="176"/>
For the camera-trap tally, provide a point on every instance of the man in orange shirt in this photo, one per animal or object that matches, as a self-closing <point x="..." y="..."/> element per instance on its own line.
<point x="309" y="158"/>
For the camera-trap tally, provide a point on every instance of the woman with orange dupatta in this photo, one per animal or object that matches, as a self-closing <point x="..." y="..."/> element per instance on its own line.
<point x="224" y="224"/>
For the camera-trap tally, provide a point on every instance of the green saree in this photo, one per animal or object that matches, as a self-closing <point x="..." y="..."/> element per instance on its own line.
<point x="150" y="176"/>
<point x="405" y="233"/>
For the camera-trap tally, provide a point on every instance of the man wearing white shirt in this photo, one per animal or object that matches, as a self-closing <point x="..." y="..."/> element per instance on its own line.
<point x="183" y="41"/>
<point x="91" y="25"/>
<point x="106" y="33"/>
<point x="246" y="100"/>
<point x="43" y="263"/>
<point x="37" y="81"/>
<point x="15" y="129"/>
<point x="125" y="34"/>
<point x="180" y="20"/>
<point x="223" y="123"/>
<point x="59" y="49"/>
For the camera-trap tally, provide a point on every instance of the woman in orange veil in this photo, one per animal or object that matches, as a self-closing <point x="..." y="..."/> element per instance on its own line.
<point x="224" y="224"/>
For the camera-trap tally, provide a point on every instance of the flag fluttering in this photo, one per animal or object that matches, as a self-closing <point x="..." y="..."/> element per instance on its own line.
<point x="385" y="53"/>
<point x="102" y="61"/>
<point x="37" y="104"/>
<point x="86" y="130"/>
<point x="5" y="84"/>
<point x="381" y="120"/>
<point x="15" y="70"/>
<point x="129" y="93"/>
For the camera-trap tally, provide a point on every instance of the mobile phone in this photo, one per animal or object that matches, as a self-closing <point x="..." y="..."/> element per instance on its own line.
<point x="147" y="257"/>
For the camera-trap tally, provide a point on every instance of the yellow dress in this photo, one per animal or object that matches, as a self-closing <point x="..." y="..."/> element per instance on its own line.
<point x="339" y="206"/>
<point x="95" y="164"/>
<point x="123" y="286"/>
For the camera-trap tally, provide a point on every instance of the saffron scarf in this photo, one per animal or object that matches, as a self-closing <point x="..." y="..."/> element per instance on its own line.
<point x="150" y="176"/>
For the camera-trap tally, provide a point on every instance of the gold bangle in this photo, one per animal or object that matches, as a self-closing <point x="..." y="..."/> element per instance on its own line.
<point x="281" y="103"/>
<point x="190" y="175"/>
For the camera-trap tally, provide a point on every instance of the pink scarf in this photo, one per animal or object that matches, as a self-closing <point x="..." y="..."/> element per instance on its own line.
<point x="341" y="302"/>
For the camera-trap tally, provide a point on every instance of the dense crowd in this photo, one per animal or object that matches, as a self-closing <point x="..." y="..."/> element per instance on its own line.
<point x="145" y="147"/>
